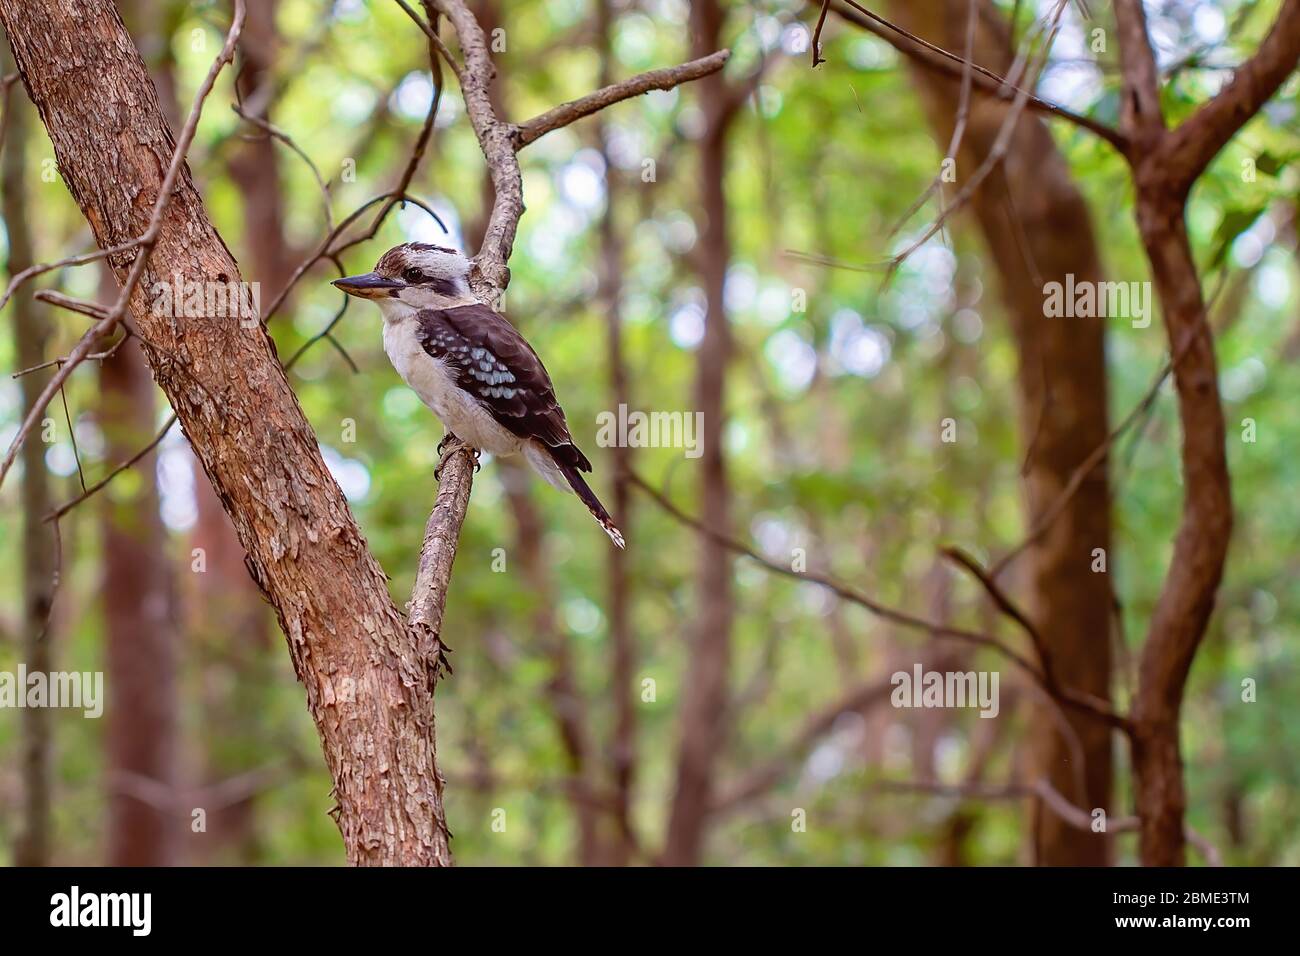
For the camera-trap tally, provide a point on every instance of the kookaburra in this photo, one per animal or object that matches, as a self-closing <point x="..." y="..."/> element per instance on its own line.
<point x="468" y="364"/>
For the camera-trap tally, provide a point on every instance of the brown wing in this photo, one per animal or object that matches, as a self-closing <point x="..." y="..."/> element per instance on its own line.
<point x="496" y="365"/>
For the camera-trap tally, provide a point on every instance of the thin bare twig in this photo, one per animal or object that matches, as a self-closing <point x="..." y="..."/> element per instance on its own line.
<point x="1026" y="63"/>
<point x="986" y="80"/>
<point x="963" y="115"/>
<point x="1005" y="605"/>
<point x="278" y="134"/>
<point x="131" y="462"/>
<point x="817" y="58"/>
<point x="997" y="151"/>
<point x="1065" y="696"/>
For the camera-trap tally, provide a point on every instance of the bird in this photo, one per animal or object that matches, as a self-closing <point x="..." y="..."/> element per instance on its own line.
<point x="468" y="364"/>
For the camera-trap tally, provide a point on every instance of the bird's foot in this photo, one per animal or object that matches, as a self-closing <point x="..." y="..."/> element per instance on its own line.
<point x="449" y="445"/>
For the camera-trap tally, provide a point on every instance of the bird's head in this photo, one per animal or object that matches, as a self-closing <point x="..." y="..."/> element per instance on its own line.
<point x="418" y="275"/>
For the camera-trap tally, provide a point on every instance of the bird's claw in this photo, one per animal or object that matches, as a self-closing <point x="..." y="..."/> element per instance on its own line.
<point x="454" y="445"/>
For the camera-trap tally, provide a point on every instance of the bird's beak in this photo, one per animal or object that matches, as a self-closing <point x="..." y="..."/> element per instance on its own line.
<point x="369" y="285"/>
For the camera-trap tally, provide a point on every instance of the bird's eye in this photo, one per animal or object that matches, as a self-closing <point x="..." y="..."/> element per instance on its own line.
<point x="413" y="276"/>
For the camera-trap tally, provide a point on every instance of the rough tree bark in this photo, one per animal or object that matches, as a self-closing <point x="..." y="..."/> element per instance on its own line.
<point x="368" y="679"/>
<point x="1037" y="228"/>
<point x="31" y="335"/>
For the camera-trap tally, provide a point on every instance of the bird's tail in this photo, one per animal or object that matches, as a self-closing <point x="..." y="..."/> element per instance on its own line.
<point x="588" y="498"/>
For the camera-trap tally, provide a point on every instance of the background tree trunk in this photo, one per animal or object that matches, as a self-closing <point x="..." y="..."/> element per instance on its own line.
<point x="1037" y="229"/>
<point x="623" y="690"/>
<point x="704" y="697"/>
<point x="140" y="629"/>
<point x="31" y="335"/>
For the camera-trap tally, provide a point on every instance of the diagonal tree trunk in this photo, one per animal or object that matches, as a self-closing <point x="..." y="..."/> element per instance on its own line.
<point x="1037" y="228"/>
<point x="365" y="671"/>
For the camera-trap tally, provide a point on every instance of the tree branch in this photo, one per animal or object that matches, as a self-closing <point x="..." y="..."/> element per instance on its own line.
<point x="499" y="142"/>
<point x="432" y="577"/>
<point x="1140" y="115"/>
<point x="1182" y="612"/>
<point x="490" y="274"/>
<point x="662" y="79"/>
<point x="1198" y="140"/>
<point x="1066" y="696"/>
<point x="986" y="81"/>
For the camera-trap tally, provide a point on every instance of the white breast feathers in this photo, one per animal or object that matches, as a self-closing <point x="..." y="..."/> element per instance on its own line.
<point x="434" y="382"/>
